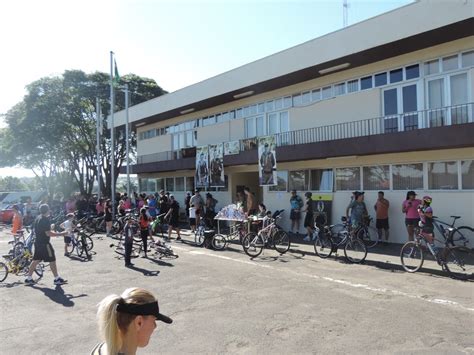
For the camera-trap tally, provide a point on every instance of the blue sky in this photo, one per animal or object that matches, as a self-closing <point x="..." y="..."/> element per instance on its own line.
<point x="177" y="43"/>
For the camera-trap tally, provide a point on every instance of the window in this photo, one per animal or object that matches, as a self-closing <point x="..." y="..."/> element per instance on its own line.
<point x="437" y="115"/>
<point x="238" y="113"/>
<point x="467" y="174"/>
<point x="458" y="89"/>
<point x="380" y="79"/>
<point x="190" y="183"/>
<point x="287" y="102"/>
<point x="225" y="117"/>
<point x="246" y="112"/>
<point x="339" y="89"/>
<point x="366" y="83"/>
<point x="316" y="95"/>
<point x="272" y="123"/>
<point x="396" y="75"/>
<point x="297" y="100"/>
<point x="253" y="109"/>
<point x="261" y="107"/>
<point x="179" y="184"/>
<point x="298" y="180"/>
<point x="467" y="59"/>
<point x="432" y="67"/>
<point x="376" y="177"/>
<point x="160" y="184"/>
<point x="412" y="72"/>
<point x="347" y="179"/>
<point x="450" y="63"/>
<point x="443" y="176"/>
<point x="306" y="98"/>
<point x="327" y="92"/>
<point x="353" y="85"/>
<point x="282" y="181"/>
<point x="390" y="105"/>
<point x="250" y="128"/>
<point x="169" y="184"/>
<point x="150" y="185"/>
<point x="278" y="104"/>
<point x="261" y="129"/>
<point x="407" y="177"/>
<point x="207" y="121"/>
<point x="321" y="180"/>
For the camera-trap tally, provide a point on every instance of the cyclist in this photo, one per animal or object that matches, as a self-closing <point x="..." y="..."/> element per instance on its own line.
<point x="358" y="211"/>
<point x="410" y="207"/>
<point x="173" y="214"/>
<point x="309" y="218"/>
<point x="425" y="212"/>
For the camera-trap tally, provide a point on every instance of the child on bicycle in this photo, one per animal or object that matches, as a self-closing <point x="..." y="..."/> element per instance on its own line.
<point x="426" y="219"/>
<point x="68" y="227"/>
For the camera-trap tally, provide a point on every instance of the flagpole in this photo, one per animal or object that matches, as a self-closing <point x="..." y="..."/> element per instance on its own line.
<point x="112" y="144"/>
<point x="98" y="117"/>
<point x="127" y="140"/>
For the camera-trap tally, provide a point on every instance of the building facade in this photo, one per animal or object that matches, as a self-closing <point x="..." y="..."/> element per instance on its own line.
<point x="385" y="104"/>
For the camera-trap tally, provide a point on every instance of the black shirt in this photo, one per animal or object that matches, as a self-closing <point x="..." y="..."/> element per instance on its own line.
<point x="175" y="210"/>
<point x="163" y="204"/>
<point x="309" y="207"/>
<point x="42" y="225"/>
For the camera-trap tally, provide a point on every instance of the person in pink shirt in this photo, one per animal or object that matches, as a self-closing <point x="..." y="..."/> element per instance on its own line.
<point x="410" y="208"/>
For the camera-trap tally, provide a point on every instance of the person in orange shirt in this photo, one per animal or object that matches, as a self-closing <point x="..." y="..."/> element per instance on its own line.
<point x="17" y="222"/>
<point x="381" y="211"/>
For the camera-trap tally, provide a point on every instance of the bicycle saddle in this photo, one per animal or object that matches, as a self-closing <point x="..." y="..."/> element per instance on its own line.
<point x="455" y="217"/>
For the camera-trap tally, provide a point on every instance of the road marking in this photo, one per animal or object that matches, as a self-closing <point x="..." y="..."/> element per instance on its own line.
<point x="337" y="281"/>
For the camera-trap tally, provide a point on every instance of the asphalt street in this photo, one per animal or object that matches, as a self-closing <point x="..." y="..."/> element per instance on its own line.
<point x="224" y="302"/>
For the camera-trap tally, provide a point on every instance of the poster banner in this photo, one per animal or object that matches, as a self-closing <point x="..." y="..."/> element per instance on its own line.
<point x="202" y="169"/>
<point x="216" y="165"/>
<point x="267" y="161"/>
<point x="322" y="206"/>
<point x="232" y="147"/>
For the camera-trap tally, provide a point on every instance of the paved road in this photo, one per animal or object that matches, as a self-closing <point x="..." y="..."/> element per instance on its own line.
<point x="223" y="302"/>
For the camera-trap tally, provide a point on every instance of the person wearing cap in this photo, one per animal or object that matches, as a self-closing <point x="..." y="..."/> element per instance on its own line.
<point x="126" y="322"/>
<point x="358" y="210"/>
<point x="68" y="227"/>
<point x="173" y="215"/>
<point x="425" y="211"/>
<point x="410" y="208"/>
<point x="17" y="221"/>
<point x="296" y="203"/>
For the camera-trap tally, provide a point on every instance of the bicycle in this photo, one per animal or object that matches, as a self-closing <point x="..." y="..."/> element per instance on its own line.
<point x="237" y="230"/>
<point x="457" y="261"/>
<point x="19" y="265"/>
<point x="333" y="237"/>
<point x="368" y="234"/>
<point x="163" y="250"/>
<point x="119" y="248"/>
<point x="83" y="244"/>
<point x="270" y="235"/>
<point x="454" y="235"/>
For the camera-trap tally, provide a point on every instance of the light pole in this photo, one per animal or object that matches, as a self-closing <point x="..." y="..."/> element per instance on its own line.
<point x="127" y="139"/>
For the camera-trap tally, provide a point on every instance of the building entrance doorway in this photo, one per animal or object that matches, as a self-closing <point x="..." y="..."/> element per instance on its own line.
<point x="248" y="179"/>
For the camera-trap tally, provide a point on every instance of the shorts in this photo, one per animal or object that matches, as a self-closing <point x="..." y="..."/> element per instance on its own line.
<point x="44" y="252"/>
<point x="295" y="215"/>
<point x="192" y="221"/>
<point x="67" y="240"/>
<point x="174" y="222"/>
<point x="412" y="221"/>
<point x="382" y="223"/>
<point x="308" y="221"/>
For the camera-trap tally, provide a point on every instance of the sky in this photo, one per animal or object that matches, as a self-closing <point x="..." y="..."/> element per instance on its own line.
<point x="175" y="42"/>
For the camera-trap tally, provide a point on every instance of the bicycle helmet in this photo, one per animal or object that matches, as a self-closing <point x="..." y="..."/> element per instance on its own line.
<point x="308" y="194"/>
<point x="427" y="199"/>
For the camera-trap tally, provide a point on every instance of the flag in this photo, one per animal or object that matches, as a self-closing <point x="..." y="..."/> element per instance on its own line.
<point x="116" y="73"/>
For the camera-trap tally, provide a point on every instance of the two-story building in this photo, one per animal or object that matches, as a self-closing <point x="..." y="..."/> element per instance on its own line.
<point x="384" y="104"/>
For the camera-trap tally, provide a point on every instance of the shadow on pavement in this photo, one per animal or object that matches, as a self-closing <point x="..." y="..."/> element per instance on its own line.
<point x="145" y="272"/>
<point x="58" y="295"/>
<point x="11" y="284"/>
<point x="159" y="262"/>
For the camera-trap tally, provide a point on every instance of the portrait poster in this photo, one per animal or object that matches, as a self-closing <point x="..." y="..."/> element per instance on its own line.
<point x="216" y="165"/>
<point x="232" y="147"/>
<point x="202" y="166"/>
<point x="267" y="161"/>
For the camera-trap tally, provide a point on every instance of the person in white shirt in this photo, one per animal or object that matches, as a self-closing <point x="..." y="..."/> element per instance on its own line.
<point x="68" y="226"/>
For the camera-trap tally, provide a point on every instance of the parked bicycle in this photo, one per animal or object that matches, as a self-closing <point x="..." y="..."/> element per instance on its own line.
<point x="163" y="250"/>
<point x="331" y="238"/>
<point x="80" y="242"/>
<point x="460" y="236"/>
<point x="457" y="261"/>
<point x="19" y="265"/>
<point x="269" y="236"/>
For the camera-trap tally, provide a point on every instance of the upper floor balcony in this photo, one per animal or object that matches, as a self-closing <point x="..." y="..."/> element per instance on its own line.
<point x="440" y="128"/>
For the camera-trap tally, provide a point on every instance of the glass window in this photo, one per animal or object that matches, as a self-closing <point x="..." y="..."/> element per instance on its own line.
<point x="339" y="89"/>
<point x="467" y="173"/>
<point x="353" y="85"/>
<point x="175" y="141"/>
<point x="432" y="67"/>
<point x="396" y="75"/>
<point x="238" y="113"/>
<point x="261" y="107"/>
<point x="450" y="63"/>
<point x="225" y="116"/>
<point x="380" y="79"/>
<point x="287" y="102"/>
<point x="316" y="95"/>
<point x="366" y="83"/>
<point x="160" y="184"/>
<point x="298" y="180"/>
<point x="278" y="104"/>
<point x="458" y="86"/>
<point x="306" y="98"/>
<point x="467" y="59"/>
<point x="169" y="184"/>
<point x="347" y="179"/>
<point x="190" y="183"/>
<point x="231" y="114"/>
<point x="273" y="123"/>
<point x="260" y="126"/>
<point x="189" y="139"/>
<point x="270" y="106"/>
<point x="250" y="127"/>
<point x="151" y="185"/>
<point x="246" y="111"/>
<point x="407" y="177"/>
<point x="219" y="118"/>
<point x="443" y="176"/>
<point x="282" y="181"/>
<point x="412" y="72"/>
<point x="179" y="184"/>
<point x="390" y="100"/>
<point x="297" y="100"/>
<point x="321" y="180"/>
<point x="327" y="92"/>
<point x="376" y="177"/>
<point x="253" y="109"/>
<point x="284" y="122"/>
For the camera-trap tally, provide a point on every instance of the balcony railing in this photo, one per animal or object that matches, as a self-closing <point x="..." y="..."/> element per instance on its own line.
<point x="443" y="116"/>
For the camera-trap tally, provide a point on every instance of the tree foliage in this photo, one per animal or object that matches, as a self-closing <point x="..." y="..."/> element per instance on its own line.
<point x="53" y="129"/>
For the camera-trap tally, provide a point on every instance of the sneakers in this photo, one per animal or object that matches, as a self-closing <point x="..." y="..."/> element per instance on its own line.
<point x="179" y="238"/>
<point x="66" y="254"/>
<point x="29" y="281"/>
<point x="59" y="281"/>
<point x="129" y="265"/>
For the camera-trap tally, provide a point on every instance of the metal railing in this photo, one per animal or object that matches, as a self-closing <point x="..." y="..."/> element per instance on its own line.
<point x="438" y="117"/>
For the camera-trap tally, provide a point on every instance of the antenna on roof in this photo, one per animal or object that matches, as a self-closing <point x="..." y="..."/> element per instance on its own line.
<point x="344" y="13"/>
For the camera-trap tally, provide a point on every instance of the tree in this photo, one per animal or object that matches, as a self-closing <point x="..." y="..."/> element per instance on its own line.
<point x="10" y="183"/>
<point x="53" y="129"/>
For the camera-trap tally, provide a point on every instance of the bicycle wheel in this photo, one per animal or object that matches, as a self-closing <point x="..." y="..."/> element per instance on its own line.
<point x="323" y="246"/>
<point x="281" y="241"/>
<point x="3" y="271"/>
<point x="219" y="242"/>
<point x="39" y="270"/>
<point x="253" y="244"/>
<point x="18" y="249"/>
<point x="355" y="251"/>
<point x="199" y="236"/>
<point x="369" y="236"/>
<point x="462" y="236"/>
<point x="459" y="262"/>
<point x="88" y="241"/>
<point x="412" y="257"/>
